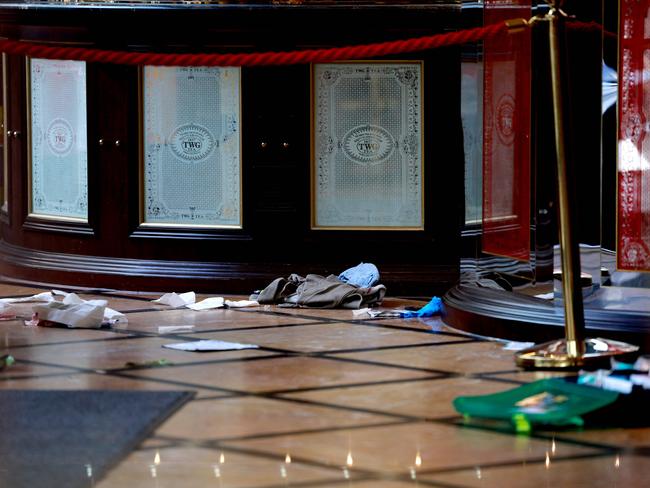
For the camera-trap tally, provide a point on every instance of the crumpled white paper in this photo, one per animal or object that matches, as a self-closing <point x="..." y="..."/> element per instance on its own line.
<point x="83" y="314"/>
<point x="361" y="311"/>
<point x="39" y="297"/>
<point x="7" y="312"/>
<point x="241" y="303"/>
<point x="209" y="345"/>
<point x="111" y="316"/>
<point x="175" y="300"/>
<point x="517" y="346"/>
<point x="207" y="304"/>
<point x="385" y="313"/>
<point x="189" y="300"/>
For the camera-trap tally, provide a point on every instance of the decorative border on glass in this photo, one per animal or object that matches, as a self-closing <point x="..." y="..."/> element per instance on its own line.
<point x="57" y="140"/>
<point x="191" y="167"/>
<point x="367" y="146"/>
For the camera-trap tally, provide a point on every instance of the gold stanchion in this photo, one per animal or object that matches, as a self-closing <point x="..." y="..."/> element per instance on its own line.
<point x="574" y="350"/>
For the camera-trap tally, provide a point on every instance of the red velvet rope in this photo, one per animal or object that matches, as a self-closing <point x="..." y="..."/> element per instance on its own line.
<point x="255" y="59"/>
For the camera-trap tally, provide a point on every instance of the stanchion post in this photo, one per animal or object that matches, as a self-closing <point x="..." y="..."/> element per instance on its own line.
<point x="575" y="350"/>
<point x="574" y="318"/>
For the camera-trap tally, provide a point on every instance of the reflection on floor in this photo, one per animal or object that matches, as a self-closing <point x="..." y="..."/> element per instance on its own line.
<point x="329" y="399"/>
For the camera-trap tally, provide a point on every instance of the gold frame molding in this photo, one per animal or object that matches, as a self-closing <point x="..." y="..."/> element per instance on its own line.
<point x="28" y="105"/>
<point x="312" y="158"/>
<point x="141" y="189"/>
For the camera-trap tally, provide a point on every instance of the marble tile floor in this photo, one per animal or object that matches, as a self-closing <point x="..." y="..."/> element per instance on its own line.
<point x="329" y="399"/>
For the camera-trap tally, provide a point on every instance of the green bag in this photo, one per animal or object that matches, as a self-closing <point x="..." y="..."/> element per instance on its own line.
<point x="549" y="402"/>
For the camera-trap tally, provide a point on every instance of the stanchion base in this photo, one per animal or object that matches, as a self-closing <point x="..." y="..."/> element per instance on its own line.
<point x="554" y="355"/>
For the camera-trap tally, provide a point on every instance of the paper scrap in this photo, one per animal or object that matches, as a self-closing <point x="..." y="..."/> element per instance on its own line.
<point x="641" y="379"/>
<point x="170" y="329"/>
<point x="175" y="300"/>
<point x="39" y="297"/>
<point x="114" y="317"/>
<point x="110" y="316"/>
<point x="33" y="322"/>
<point x="241" y="303"/>
<point x="546" y="296"/>
<point x="85" y="315"/>
<point x="361" y="311"/>
<point x="7" y="312"/>
<point x="73" y="299"/>
<point x="385" y="313"/>
<point x="602" y="378"/>
<point x="517" y="346"/>
<point x="209" y="345"/>
<point x="642" y="363"/>
<point x="207" y="304"/>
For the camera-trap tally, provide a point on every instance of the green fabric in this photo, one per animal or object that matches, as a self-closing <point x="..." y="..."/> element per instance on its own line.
<point x="551" y="402"/>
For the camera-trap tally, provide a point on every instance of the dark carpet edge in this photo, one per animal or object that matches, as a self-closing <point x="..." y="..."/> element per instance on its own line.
<point x="143" y="435"/>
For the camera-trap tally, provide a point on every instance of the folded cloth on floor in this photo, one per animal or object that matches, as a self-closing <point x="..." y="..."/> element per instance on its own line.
<point x="316" y="291"/>
<point x="364" y="274"/>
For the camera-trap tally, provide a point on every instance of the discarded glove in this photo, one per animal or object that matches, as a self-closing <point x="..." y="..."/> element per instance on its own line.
<point x="432" y="308"/>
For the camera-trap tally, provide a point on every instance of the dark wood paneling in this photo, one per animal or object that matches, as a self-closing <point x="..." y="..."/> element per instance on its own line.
<point x="114" y="250"/>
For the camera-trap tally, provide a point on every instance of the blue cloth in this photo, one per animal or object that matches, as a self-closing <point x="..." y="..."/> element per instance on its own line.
<point x="432" y="308"/>
<point x="364" y="275"/>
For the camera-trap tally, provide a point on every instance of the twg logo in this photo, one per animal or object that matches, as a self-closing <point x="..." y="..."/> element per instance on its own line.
<point x="191" y="142"/>
<point x="368" y="144"/>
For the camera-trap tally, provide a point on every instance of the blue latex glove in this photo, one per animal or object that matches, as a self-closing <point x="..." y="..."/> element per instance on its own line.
<point x="432" y="308"/>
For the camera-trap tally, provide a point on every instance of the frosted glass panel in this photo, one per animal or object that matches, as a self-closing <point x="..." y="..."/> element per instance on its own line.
<point x="368" y="149"/>
<point x="58" y="138"/>
<point x="192" y="166"/>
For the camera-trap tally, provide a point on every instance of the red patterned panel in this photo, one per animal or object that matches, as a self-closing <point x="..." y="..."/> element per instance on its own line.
<point x="506" y="134"/>
<point x="633" y="141"/>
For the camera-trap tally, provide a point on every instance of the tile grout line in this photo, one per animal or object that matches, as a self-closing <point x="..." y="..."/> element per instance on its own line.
<point x="351" y="385"/>
<point x="365" y="322"/>
<point x="271" y="435"/>
<point x="396" y="346"/>
<point x="450" y="374"/>
<point x="507" y="464"/>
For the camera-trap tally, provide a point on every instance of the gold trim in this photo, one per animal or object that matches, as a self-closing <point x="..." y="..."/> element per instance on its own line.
<point x="312" y="166"/>
<point x="141" y="144"/>
<point x="4" y="201"/>
<point x="141" y="150"/>
<point x="28" y="105"/>
<point x="28" y="130"/>
<point x="157" y="225"/>
<point x="562" y="353"/>
<point x="56" y="218"/>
